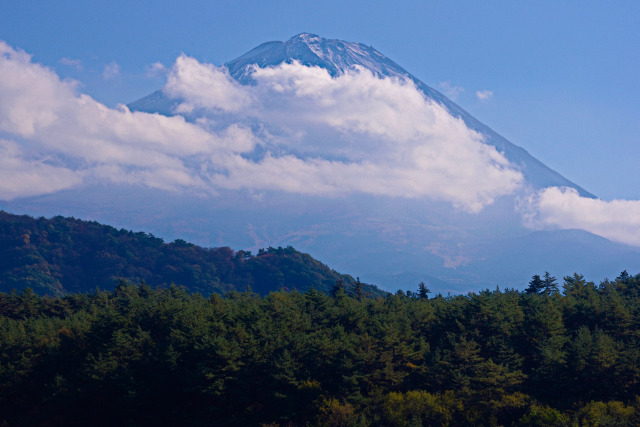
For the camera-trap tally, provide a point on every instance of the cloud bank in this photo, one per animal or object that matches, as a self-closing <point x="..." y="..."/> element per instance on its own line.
<point x="21" y="177"/>
<point x="298" y="130"/>
<point x="554" y="207"/>
<point x="55" y="133"/>
<point x="351" y="133"/>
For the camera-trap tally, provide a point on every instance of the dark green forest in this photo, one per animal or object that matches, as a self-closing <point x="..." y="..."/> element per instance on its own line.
<point x="555" y="354"/>
<point x="66" y="255"/>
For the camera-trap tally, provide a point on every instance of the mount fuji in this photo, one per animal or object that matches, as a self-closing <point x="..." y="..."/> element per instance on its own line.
<point x="340" y="152"/>
<point x="338" y="57"/>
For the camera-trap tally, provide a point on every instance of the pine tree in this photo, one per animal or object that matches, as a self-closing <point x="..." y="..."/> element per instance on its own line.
<point x="535" y="285"/>
<point x="623" y="277"/>
<point x="358" y="290"/>
<point x="549" y="284"/>
<point x="338" y="289"/>
<point x="423" y="291"/>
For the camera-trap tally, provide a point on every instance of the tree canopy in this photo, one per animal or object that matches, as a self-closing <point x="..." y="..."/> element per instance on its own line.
<point x="138" y="355"/>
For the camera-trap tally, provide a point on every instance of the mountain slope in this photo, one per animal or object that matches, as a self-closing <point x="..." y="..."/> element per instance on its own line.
<point x="61" y="255"/>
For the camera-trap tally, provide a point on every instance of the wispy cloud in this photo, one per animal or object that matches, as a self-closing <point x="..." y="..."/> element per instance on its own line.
<point x="554" y="207"/>
<point x="484" y="95"/>
<point x="156" y="69"/>
<point x="111" y="70"/>
<point x="450" y="90"/>
<point x="74" y="63"/>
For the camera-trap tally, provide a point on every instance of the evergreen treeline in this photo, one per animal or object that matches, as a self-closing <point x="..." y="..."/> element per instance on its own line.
<point x="139" y="356"/>
<point x="66" y="255"/>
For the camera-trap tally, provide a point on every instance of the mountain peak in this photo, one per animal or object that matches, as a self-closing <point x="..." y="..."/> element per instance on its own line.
<point x="306" y="37"/>
<point x="336" y="56"/>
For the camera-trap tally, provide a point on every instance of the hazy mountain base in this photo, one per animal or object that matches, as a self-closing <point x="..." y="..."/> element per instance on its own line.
<point x="392" y="242"/>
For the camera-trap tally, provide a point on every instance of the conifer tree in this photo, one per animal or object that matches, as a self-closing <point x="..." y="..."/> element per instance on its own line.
<point x="535" y="285"/>
<point x="549" y="284"/>
<point x="338" y="289"/>
<point x="358" y="290"/>
<point x="623" y="277"/>
<point x="423" y="291"/>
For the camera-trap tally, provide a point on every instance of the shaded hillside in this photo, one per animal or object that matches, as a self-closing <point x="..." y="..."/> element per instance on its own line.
<point x="61" y="255"/>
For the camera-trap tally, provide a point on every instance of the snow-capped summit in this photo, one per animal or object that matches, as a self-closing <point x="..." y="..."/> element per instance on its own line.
<point x="336" y="56"/>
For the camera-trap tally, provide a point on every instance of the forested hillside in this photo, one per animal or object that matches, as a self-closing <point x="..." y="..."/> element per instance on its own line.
<point x="139" y="356"/>
<point x="62" y="255"/>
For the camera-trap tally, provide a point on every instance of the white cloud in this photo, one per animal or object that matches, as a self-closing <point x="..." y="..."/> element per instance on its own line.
<point x="554" y="207"/>
<point x="484" y="95"/>
<point x="49" y="117"/>
<point x="204" y="86"/>
<point x="156" y="69"/>
<point x="111" y="70"/>
<point x="450" y="90"/>
<point x="393" y="140"/>
<point x="74" y="63"/>
<point x="297" y="130"/>
<point x="20" y="177"/>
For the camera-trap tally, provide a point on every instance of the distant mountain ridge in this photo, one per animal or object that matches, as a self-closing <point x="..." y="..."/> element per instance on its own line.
<point x="337" y="57"/>
<point x="65" y="255"/>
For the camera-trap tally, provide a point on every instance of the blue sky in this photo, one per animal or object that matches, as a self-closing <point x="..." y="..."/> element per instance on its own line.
<point x="559" y="78"/>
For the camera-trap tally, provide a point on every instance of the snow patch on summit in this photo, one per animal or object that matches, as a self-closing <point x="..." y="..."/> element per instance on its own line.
<point x="312" y="41"/>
